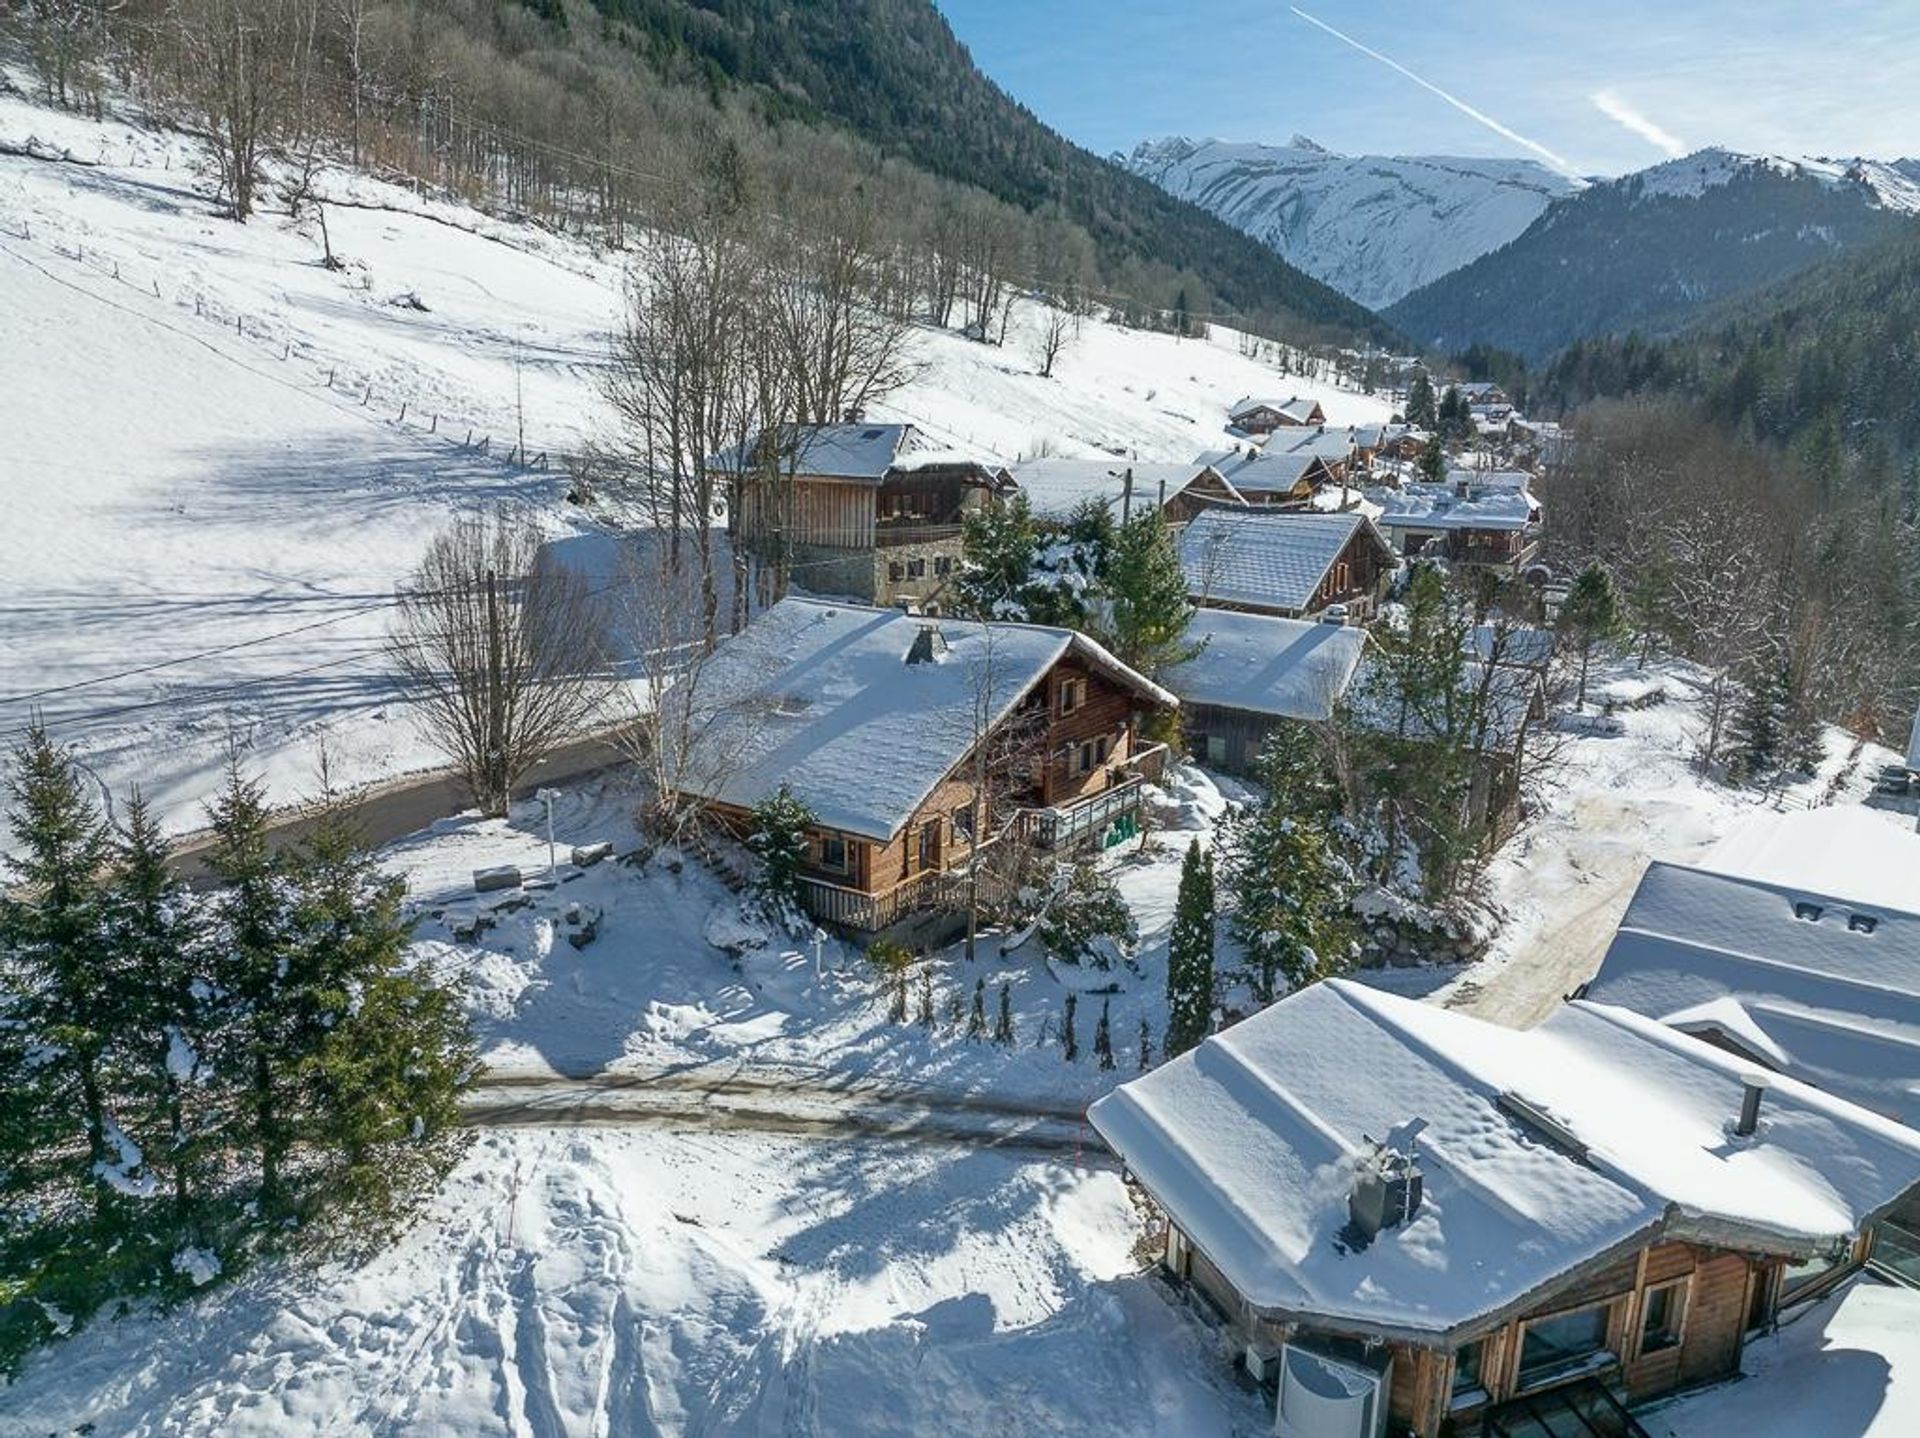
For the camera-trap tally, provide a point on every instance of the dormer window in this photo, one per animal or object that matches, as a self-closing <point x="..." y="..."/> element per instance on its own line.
<point x="1806" y="909"/>
<point x="1862" y="923"/>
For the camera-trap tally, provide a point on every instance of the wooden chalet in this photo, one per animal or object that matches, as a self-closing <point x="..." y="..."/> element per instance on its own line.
<point x="1256" y="415"/>
<point x="1263" y="477"/>
<point x="867" y="510"/>
<point x="1406" y="1219"/>
<point x="1254" y="671"/>
<point x="1056" y="488"/>
<point x="1464" y="522"/>
<point x="1290" y="563"/>
<point x="872" y="719"/>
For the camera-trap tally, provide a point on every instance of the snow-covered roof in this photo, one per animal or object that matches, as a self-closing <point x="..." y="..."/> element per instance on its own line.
<point x="834" y="451"/>
<point x="1821" y="987"/>
<point x="1332" y="445"/>
<point x="1272" y="558"/>
<point x="1370" y="436"/>
<point x="1251" y="1142"/>
<point x="1437" y="506"/>
<point x="1056" y="487"/>
<point x="1260" y="471"/>
<point x="1299" y="410"/>
<point x="820" y="697"/>
<point x="1507" y="479"/>
<point x="1288" y="668"/>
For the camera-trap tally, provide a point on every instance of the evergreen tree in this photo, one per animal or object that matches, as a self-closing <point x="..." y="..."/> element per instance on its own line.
<point x="155" y="924"/>
<point x="1757" y="739"/>
<point x="1147" y="592"/>
<point x="383" y="1051"/>
<point x="778" y="838"/>
<point x="1069" y="1040"/>
<point x="1433" y="461"/>
<point x="1000" y="545"/>
<point x="1190" y="955"/>
<point x="926" y="996"/>
<point x="1003" y="1024"/>
<point x="1290" y="884"/>
<point x="977" y="1015"/>
<point x="259" y="1006"/>
<point x="1103" y="1037"/>
<point x="1592" y="615"/>
<point x="1421" y="412"/>
<point x="1453" y="421"/>
<point x="60" y="1219"/>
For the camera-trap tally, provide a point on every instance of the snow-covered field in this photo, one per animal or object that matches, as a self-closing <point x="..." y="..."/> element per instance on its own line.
<point x="202" y="531"/>
<point x="569" y="1283"/>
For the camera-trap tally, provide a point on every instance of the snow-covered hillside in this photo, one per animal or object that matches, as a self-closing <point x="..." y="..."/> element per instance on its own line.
<point x="221" y="455"/>
<point x="1375" y="227"/>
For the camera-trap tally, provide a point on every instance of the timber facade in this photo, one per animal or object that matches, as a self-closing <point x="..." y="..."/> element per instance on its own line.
<point x="1665" y="1317"/>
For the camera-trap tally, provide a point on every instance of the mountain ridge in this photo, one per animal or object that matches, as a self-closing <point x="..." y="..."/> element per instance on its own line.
<point x="1374" y="227"/>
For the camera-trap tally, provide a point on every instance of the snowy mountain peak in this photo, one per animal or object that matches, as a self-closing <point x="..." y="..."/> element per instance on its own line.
<point x="1891" y="186"/>
<point x="1374" y="227"/>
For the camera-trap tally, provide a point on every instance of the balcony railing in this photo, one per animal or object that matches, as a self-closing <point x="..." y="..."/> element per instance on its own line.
<point x="888" y="532"/>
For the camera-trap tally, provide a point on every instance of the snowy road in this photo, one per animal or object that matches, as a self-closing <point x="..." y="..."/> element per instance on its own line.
<point x="733" y="1099"/>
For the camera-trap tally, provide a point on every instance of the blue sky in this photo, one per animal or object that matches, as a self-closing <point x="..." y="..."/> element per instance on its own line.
<point x="1592" y="86"/>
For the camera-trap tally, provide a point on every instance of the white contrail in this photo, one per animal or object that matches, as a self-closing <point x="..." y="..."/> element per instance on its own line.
<point x="1623" y="114"/>
<point x="1462" y="106"/>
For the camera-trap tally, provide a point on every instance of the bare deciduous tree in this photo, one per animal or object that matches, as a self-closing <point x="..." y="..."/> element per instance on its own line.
<point x="246" y="63"/>
<point x="1055" y="332"/>
<point x="503" y="648"/>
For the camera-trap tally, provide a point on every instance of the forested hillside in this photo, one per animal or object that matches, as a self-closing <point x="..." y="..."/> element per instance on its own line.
<point x="1827" y="364"/>
<point x="1654" y="251"/>
<point x="893" y="72"/>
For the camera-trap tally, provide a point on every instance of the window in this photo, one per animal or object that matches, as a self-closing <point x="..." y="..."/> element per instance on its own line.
<point x="1862" y="923"/>
<point x="1102" y="747"/>
<point x="1661" y="1318"/>
<point x="1342" y="577"/>
<point x="930" y="845"/>
<point x="943" y="565"/>
<point x="896" y="571"/>
<point x="1216" y="749"/>
<point x="1564" y="1344"/>
<point x="1073" y="693"/>
<point x="963" y="823"/>
<point x="1804" y="910"/>
<point x="1467" y="1388"/>
<point x="833" y="853"/>
<point x="916" y="569"/>
<point x="1797" y="1278"/>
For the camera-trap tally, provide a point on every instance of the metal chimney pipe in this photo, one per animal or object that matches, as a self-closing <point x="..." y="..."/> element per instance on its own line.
<point x="1754" y="1086"/>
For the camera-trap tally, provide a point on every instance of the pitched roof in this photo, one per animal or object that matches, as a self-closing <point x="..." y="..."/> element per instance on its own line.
<point x="1329" y="444"/>
<point x="1273" y="559"/>
<point x="1821" y="987"/>
<point x="819" y="696"/>
<point x="1299" y="410"/>
<point x="1259" y="471"/>
<point x="834" y="451"/>
<point x="1287" y="668"/>
<point x="1251" y="1142"/>
<point x="1436" y="506"/>
<point x="1055" y="487"/>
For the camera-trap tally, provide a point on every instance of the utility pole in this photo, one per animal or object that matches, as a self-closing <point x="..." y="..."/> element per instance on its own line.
<point x="1126" y="496"/>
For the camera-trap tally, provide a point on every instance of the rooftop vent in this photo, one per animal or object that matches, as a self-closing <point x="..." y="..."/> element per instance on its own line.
<point x="1542" y="1123"/>
<point x="1805" y="909"/>
<point x="1862" y="923"/>
<point x="1753" y="1088"/>
<point x="929" y="645"/>
<point x="1387" y="1186"/>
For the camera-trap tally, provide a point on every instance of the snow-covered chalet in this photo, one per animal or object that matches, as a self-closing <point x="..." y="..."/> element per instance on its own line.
<point x="915" y="743"/>
<point x="1408" y="1219"/>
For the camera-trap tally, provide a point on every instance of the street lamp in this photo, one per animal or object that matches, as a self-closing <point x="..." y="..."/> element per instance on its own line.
<point x="547" y="796"/>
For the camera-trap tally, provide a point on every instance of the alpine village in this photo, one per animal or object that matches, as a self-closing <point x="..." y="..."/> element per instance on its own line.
<point x="708" y="727"/>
